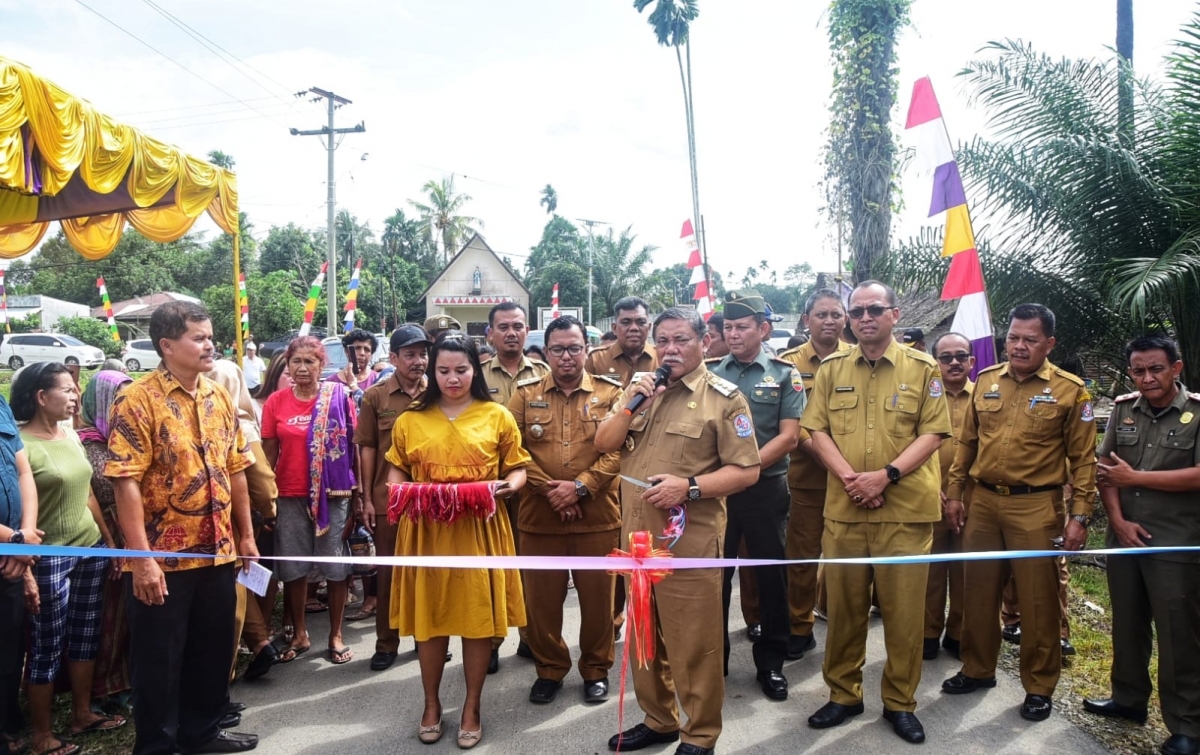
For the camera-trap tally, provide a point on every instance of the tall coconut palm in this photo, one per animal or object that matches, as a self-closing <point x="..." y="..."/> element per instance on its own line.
<point x="619" y="267"/>
<point x="549" y="199"/>
<point x="442" y="214"/>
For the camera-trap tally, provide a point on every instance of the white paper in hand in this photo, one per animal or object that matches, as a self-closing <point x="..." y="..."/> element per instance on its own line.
<point x="256" y="580"/>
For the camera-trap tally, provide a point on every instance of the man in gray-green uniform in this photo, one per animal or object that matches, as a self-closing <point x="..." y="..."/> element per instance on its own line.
<point x="775" y="392"/>
<point x="1149" y="474"/>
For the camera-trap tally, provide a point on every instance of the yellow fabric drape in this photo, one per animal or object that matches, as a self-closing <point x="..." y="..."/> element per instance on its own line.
<point x="70" y="135"/>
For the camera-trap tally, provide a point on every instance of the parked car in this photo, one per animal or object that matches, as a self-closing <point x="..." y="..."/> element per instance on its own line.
<point x="20" y="349"/>
<point x="779" y="339"/>
<point x="140" y="355"/>
<point x="336" y="355"/>
<point x="268" y="349"/>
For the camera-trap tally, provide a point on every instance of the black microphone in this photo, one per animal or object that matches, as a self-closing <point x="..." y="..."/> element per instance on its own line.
<point x="661" y="375"/>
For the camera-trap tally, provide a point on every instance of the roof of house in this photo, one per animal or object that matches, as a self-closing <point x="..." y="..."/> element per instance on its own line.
<point x="450" y="264"/>
<point x="141" y="307"/>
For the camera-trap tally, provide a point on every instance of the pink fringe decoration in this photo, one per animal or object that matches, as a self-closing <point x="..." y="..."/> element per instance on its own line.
<point x="441" y="502"/>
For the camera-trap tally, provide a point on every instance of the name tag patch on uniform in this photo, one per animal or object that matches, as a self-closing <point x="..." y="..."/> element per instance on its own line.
<point x="935" y="388"/>
<point x="1126" y="429"/>
<point x="741" y="424"/>
<point x="493" y="390"/>
<point x="540" y="404"/>
<point x="992" y="394"/>
<point x="386" y="412"/>
<point x="1086" y="415"/>
<point x="844" y="389"/>
<point x="797" y="383"/>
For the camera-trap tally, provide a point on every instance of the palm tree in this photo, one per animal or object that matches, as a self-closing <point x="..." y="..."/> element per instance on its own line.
<point x="549" y="199"/>
<point x="442" y="216"/>
<point x="221" y="159"/>
<point x="671" y="20"/>
<point x="618" y="269"/>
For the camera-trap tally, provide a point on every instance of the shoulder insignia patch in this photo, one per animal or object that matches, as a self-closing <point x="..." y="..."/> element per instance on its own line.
<point x="743" y="426"/>
<point x="611" y="379"/>
<point x="723" y="386"/>
<point x="1135" y="394"/>
<point x="1068" y="376"/>
<point x="1194" y="396"/>
<point x="789" y="352"/>
<point x="528" y="381"/>
<point x="935" y="388"/>
<point x="797" y="382"/>
<point x="993" y="368"/>
<point x="713" y="360"/>
<point x="777" y="360"/>
<point x="836" y="355"/>
<point x="1086" y="415"/>
<point x="1084" y="396"/>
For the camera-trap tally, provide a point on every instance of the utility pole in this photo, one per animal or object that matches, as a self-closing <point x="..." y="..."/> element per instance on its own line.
<point x="591" y="260"/>
<point x="331" y="145"/>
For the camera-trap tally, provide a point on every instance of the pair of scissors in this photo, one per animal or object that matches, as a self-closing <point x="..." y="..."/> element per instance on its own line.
<point x="639" y="483"/>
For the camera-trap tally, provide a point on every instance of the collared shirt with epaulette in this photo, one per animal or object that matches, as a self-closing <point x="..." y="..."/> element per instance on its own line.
<point x="1028" y="433"/>
<point x="958" y="403"/>
<point x="559" y="432"/>
<point x="382" y="403"/>
<point x="805" y="472"/>
<point x="873" y="412"/>
<point x="502" y="385"/>
<point x="774" y="391"/>
<point x="699" y="424"/>
<point x="1157" y="440"/>
<point x="612" y="360"/>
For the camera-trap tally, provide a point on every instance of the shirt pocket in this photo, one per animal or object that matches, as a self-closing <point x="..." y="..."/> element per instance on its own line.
<point x="537" y="425"/>
<point x="766" y="394"/>
<point x="1043" y="420"/>
<point x="1176" y="451"/>
<point x="1129" y="448"/>
<point x="900" y="415"/>
<point x="991" y="418"/>
<point x="681" y="439"/>
<point x="843" y="415"/>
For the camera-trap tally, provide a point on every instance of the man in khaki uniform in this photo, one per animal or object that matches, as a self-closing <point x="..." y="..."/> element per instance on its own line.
<point x="408" y="352"/>
<point x="439" y="324"/>
<point x="953" y="353"/>
<point x="824" y="316"/>
<point x="877" y="415"/>
<point x="631" y="352"/>
<point x="510" y="365"/>
<point x="690" y="444"/>
<point x="568" y="508"/>
<point x="1028" y="423"/>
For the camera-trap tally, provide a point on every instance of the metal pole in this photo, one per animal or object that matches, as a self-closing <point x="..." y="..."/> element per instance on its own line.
<point x="331" y="201"/>
<point x="591" y="264"/>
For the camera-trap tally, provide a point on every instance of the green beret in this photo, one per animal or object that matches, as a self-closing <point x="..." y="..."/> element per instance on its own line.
<point x="739" y="304"/>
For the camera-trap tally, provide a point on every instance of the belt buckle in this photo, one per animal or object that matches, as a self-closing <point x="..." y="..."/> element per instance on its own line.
<point x="1003" y="490"/>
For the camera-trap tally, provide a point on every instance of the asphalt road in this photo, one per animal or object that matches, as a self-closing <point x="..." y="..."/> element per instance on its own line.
<point x="311" y="707"/>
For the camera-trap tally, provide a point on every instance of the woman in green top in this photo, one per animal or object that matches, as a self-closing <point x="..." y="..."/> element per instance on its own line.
<point x="71" y="587"/>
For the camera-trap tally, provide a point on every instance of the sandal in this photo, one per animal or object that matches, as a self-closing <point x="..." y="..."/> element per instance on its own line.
<point x="338" y="656"/>
<point x="359" y="614"/>
<point x="315" y="606"/>
<point x="101" y="724"/>
<point x="62" y="748"/>
<point x="15" y="745"/>
<point x="292" y="653"/>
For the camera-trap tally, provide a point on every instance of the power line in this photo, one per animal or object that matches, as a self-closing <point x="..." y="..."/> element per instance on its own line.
<point x="189" y="107"/>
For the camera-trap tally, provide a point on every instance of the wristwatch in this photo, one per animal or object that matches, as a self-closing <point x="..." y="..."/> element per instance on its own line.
<point x="581" y="490"/>
<point x="1083" y="519"/>
<point x="693" y="490"/>
<point x="18" y="538"/>
<point x="893" y="474"/>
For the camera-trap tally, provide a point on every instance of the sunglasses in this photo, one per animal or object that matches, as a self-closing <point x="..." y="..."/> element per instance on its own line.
<point x="960" y="357"/>
<point x="875" y="311"/>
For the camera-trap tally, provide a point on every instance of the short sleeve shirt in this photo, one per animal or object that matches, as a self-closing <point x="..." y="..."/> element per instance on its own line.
<point x="381" y="405"/>
<point x="184" y="450"/>
<point x="286" y="419"/>
<point x="774" y="391"/>
<point x="804" y="471"/>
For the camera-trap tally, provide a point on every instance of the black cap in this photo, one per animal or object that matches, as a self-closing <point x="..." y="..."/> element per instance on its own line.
<point x="914" y="335"/>
<point x="408" y="335"/>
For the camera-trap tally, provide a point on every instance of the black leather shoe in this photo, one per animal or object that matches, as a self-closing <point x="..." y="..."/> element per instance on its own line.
<point x="230" y="721"/>
<point x="1012" y="633"/>
<point x="524" y="650"/>
<point x="833" y="714"/>
<point x="544" y="691"/>
<point x="773" y="684"/>
<point x="1067" y="647"/>
<point x="226" y="741"/>
<point x="1036" y="708"/>
<point x="382" y="661"/>
<point x="232" y="707"/>
<point x="798" y="645"/>
<point x="641" y="736"/>
<point x="961" y="684"/>
<point x="595" y="691"/>
<point x="493" y="662"/>
<point x="753" y="633"/>
<point x="1113" y="709"/>
<point x="952" y="646"/>
<point x="929" y="649"/>
<point x="906" y="725"/>
<point x="687" y="748"/>
<point x="1181" y="745"/>
<point x="262" y="662"/>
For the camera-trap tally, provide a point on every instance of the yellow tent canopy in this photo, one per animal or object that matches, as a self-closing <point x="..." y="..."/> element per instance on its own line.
<point x="62" y="160"/>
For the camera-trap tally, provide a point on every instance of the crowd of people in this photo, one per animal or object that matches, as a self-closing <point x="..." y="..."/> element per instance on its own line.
<point x="851" y="444"/>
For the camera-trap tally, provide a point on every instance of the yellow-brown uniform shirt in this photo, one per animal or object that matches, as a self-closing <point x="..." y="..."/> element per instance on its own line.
<point x="501" y="385"/>
<point x="1020" y="433"/>
<point x="873" y="414"/>
<point x="558" y="431"/>
<point x="698" y="425"/>
<point x="804" y="471"/>
<point x="958" y="411"/>
<point x="611" y="360"/>
<point x="381" y="405"/>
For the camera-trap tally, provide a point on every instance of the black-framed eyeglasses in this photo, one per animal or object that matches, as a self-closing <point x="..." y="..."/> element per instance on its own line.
<point x="960" y="357"/>
<point x="574" y="350"/>
<point x="875" y="311"/>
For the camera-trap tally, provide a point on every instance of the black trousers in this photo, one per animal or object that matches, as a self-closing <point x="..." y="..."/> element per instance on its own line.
<point x="12" y="654"/>
<point x="759" y="514"/>
<point x="180" y="655"/>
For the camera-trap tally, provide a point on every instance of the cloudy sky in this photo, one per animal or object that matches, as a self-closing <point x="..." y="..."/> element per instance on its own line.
<point x="510" y="96"/>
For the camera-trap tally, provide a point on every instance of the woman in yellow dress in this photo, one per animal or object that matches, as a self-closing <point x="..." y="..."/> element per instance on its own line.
<point x="456" y="434"/>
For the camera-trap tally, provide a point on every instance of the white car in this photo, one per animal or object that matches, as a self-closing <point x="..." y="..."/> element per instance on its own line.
<point x="140" y="355"/>
<point x="20" y="349"/>
<point x="779" y="338"/>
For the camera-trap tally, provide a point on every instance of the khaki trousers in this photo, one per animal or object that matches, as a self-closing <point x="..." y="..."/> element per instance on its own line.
<point x="387" y="638"/>
<point x="545" y="592"/>
<point x="1019" y="522"/>
<point x="941" y="574"/>
<point x="806" y="523"/>
<point x="1010" y="609"/>
<point x="689" y="645"/>
<point x="900" y="589"/>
